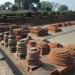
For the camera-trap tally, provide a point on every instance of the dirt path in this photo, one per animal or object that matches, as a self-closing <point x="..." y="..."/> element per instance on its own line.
<point x="4" y="67"/>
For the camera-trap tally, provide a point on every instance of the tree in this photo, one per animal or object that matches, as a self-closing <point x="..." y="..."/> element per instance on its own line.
<point x="7" y="4"/>
<point x="2" y="7"/>
<point x="45" y="5"/>
<point x="25" y="3"/>
<point x="14" y="8"/>
<point x="48" y="9"/>
<point x="19" y="3"/>
<point x="55" y="6"/>
<point x="63" y="8"/>
<point x="34" y="7"/>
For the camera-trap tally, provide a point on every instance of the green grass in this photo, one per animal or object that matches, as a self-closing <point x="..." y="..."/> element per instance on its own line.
<point x="6" y="12"/>
<point x="12" y="12"/>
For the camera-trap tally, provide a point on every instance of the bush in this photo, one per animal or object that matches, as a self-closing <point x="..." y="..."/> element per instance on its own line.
<point x="58" y="13"/>
<point x="14" y="8"/>
<point x="44" y="13"/>
<point x="20" y="14"/>
<point x="49" y="13"/>
<point x="0" y="15"/>
<point x="53" y="13"/>
<point x="10" y="14"/>
<point x="28" y="14"/>
<point x="48" y="9"/>
<point x="74" y="12"/>
<point x="4" y="16"/>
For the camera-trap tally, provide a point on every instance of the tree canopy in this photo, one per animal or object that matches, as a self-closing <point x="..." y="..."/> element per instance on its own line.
<point x="45" y="5"/>
<point x="14" y="8"/>
<point x="25" y="4"/>
<point x="63" y="8"/>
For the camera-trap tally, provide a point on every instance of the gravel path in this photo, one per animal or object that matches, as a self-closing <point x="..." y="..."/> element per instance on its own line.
<point x="4" y="67"/>
<point x="67" y="36"/>
<point x="65" y="39"/>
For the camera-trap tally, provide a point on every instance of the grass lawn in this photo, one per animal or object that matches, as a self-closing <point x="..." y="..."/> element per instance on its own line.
<point x="12" y="12"/>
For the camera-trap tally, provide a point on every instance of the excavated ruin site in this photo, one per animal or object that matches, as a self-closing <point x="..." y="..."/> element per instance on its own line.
<point x="39" y="50"/>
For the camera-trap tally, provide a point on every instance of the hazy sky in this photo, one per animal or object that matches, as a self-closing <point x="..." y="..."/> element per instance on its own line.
<point x="69" y="3"/>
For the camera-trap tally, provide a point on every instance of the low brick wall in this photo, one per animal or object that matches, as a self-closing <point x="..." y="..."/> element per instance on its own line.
<point x="39" y="20"/>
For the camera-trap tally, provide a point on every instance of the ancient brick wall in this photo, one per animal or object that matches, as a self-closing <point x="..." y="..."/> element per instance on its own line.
<point x="38" y="20"/>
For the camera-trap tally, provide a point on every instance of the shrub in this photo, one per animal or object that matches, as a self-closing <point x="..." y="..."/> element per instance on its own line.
<point x="14" y="8"/>
<point x="0" y="15"/>
<point x="49" y="13"/>
<point x="53" y="13"/>
<point x="4" y="16"/>
<point x="44" y="13"/>
<point x="28" y="14"/>
<point x="58" y="13"/>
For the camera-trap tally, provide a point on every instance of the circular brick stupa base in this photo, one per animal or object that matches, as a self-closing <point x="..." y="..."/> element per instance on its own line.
<point x="60" y="57"/>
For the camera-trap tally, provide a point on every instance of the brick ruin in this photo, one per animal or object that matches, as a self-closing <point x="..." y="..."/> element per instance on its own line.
<point x="59" y="57"/>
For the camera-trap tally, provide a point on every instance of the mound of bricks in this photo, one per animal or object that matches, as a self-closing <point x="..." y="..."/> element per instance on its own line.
<point x="73" y="22"/>
<point x="39" y="31"/>
<point x="7" y="27"/>
<point x="64" y="24"/>
<point x="13" y="26"/>
<point x="61" y="58"/>
<point x="4" y="28"/>
<point x="25" y="28"/>
<point x="69" y="23"/>
<point x="55" y="45"/>
<point x="44" y="48"/>
<point x="71" y="49"/>
<point x="32" y="43"/>
<point x="18" y="38"/>
<point x="19" y="32"/>
<point x="54" y="29"/>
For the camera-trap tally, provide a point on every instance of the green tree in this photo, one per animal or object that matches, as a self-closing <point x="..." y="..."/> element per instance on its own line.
<point x="2" y="7"/>
<point x="7" y="5"/>
<point x="48" y="9"/>
<point x="14" y="8"/>
<point x="45" y="5"/>
<point x="63" y="8"/>
<point x="25" y="3"/>
<point x="19" y="3"/>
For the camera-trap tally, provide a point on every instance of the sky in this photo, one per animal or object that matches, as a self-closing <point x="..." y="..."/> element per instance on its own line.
<point x="69" y="3"/>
